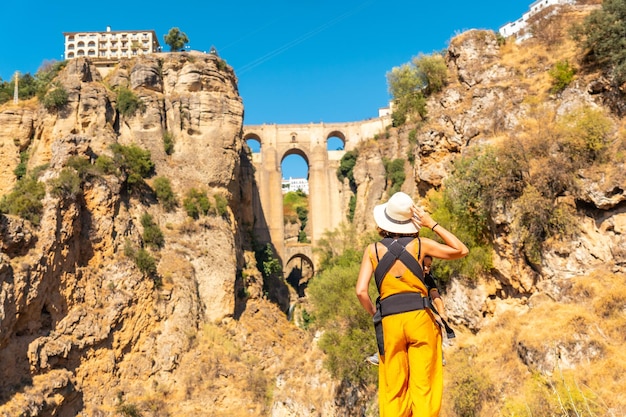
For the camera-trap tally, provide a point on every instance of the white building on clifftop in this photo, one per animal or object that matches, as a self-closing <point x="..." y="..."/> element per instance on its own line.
<point x="518" y="27"/>
<point x="110" y="44"/>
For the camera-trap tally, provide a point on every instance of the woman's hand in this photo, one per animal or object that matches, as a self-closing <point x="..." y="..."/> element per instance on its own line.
<point x="421" y="218"/>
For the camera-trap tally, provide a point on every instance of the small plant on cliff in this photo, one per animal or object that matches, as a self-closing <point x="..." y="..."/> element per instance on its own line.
<point x="20" y="169"/>
<point x="134" y="161"/>
<point x="144" y="261"/>
<point x="221" y="205"/>
<point x="168" y="143"/>
<point x="25" y="199"/>
<point x="66" y="185"/>
<point x="128" y="103"/>
<point x="152" y="234"/>
<point x="395" y="175"/>
<point x="346" y="167"/>
<point x="55" y="98"/>
<point x="196" y="203"/>
<point x="164" y="193"/>
<point x="562" y="75"/>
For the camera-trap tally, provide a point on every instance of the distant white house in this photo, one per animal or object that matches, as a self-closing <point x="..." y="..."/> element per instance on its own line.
<point x="295" y="184"/>
<point x="517" y="27"/>
<point x="110" y="44"/>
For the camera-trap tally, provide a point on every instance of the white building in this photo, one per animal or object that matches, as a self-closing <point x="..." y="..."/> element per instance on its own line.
<point x="295" y="184"/>
<point x="517" y="27"/>
<point x="110" y="44"/>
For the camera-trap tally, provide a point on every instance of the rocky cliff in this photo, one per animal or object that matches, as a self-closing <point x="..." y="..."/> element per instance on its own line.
<point x="86" y="331"/>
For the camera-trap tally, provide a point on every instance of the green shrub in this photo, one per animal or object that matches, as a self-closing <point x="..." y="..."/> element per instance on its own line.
<point x="56" y="98"/>
<point x="351" y="208"/>
<point x="145" y="262"/>
<point x="168" y="143"/>
<point x="602" y="37"/>
<point x="346" y="167"/>
<point x="221" y="205"/>
<point x="395" y="175"/>
<point x="348" y="334"/>
<point x="196" y="203"/>
<point x="134" y="161"/>
<point x="106" y="165"/>
<point x="164" y="193"/>
<point x="82" y="166"/>
<point x="432" y="71"/>
<point x="44" y="77"/>
<point x="66" y="185"/>
<point x="413" y="136"/>
<point x="21" y="168"/>
<point x="586" y="135"/>
<point x="562" y="75"/>
<point x="25" y="199"/>
<point x="222" y="65"/>
<point x="128" y="103"/>
<point x="152" y="234"/>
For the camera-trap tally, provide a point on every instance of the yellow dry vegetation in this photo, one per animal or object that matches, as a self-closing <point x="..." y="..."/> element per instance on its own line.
<point x="547" y="358"/>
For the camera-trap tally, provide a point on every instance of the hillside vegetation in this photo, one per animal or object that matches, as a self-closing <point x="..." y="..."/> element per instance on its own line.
<point x="554" y="350"/>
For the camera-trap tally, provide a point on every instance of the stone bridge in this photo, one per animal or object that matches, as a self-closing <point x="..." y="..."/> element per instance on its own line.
<point x="328" y="197"/>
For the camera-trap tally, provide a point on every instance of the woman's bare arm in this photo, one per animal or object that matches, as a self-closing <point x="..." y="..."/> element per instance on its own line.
<point x="363" y="283"/>
<point x="452" y="248"/>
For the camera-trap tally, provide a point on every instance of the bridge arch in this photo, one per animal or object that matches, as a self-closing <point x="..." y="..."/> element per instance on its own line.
<point x="296" y="151"/>
<point x="298" y="270"/>
<point x="329" y="198"/>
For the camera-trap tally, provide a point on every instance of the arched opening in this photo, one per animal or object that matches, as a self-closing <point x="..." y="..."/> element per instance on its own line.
<point x="298" y="271"/>
<point x="336" y="141"/>
<point x="253" y="144"/>
<point x="295" y="190"/>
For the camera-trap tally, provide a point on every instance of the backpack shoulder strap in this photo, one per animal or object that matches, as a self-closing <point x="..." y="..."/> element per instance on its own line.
<point x="396" y="249"/>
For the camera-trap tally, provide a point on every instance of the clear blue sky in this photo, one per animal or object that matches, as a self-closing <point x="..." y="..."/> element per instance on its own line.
<point x="297" y="61"/>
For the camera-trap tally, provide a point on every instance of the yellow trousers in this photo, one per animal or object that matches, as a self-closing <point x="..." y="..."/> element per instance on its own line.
<point x="410" y="374"/>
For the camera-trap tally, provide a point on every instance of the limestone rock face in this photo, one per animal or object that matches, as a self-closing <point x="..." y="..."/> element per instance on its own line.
<point x="86" y="323"/>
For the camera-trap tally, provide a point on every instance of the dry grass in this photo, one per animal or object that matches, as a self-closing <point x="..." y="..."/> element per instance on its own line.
<point x="553" y="358"/>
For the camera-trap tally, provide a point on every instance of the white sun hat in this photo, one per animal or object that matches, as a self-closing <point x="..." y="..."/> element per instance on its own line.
<point x="395" y="215"/>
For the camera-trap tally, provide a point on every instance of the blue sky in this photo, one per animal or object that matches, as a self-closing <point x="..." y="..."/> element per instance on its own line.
<point x="297" y="61"/>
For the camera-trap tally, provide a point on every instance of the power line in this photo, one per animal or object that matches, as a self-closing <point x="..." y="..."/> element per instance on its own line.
<point x="291" y="44"/>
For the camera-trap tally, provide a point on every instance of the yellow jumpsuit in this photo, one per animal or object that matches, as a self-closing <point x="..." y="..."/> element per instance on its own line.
<point x="410" y="374"/>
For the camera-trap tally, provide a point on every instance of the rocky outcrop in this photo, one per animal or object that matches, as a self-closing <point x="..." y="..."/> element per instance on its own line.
<point x="87" y="331"/>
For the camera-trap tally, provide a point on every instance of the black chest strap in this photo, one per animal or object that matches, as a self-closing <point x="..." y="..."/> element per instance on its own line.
<point x="396" y="250"/>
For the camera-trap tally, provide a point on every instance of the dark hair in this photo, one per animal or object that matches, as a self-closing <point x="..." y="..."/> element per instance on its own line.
<point x="385" y="233"/>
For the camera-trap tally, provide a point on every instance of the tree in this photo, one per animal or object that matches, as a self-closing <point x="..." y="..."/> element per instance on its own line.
<point x="405" y="86"/>
<point x="176" y="39"/>
<point x="603" y="32"/>
<point x="432" y="71"/>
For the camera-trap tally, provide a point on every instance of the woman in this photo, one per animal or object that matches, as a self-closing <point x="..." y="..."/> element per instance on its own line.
<point x="410" y="375"/>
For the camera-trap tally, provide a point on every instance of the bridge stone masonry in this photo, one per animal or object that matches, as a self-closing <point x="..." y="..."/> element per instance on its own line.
<point x="328" y="199"/>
